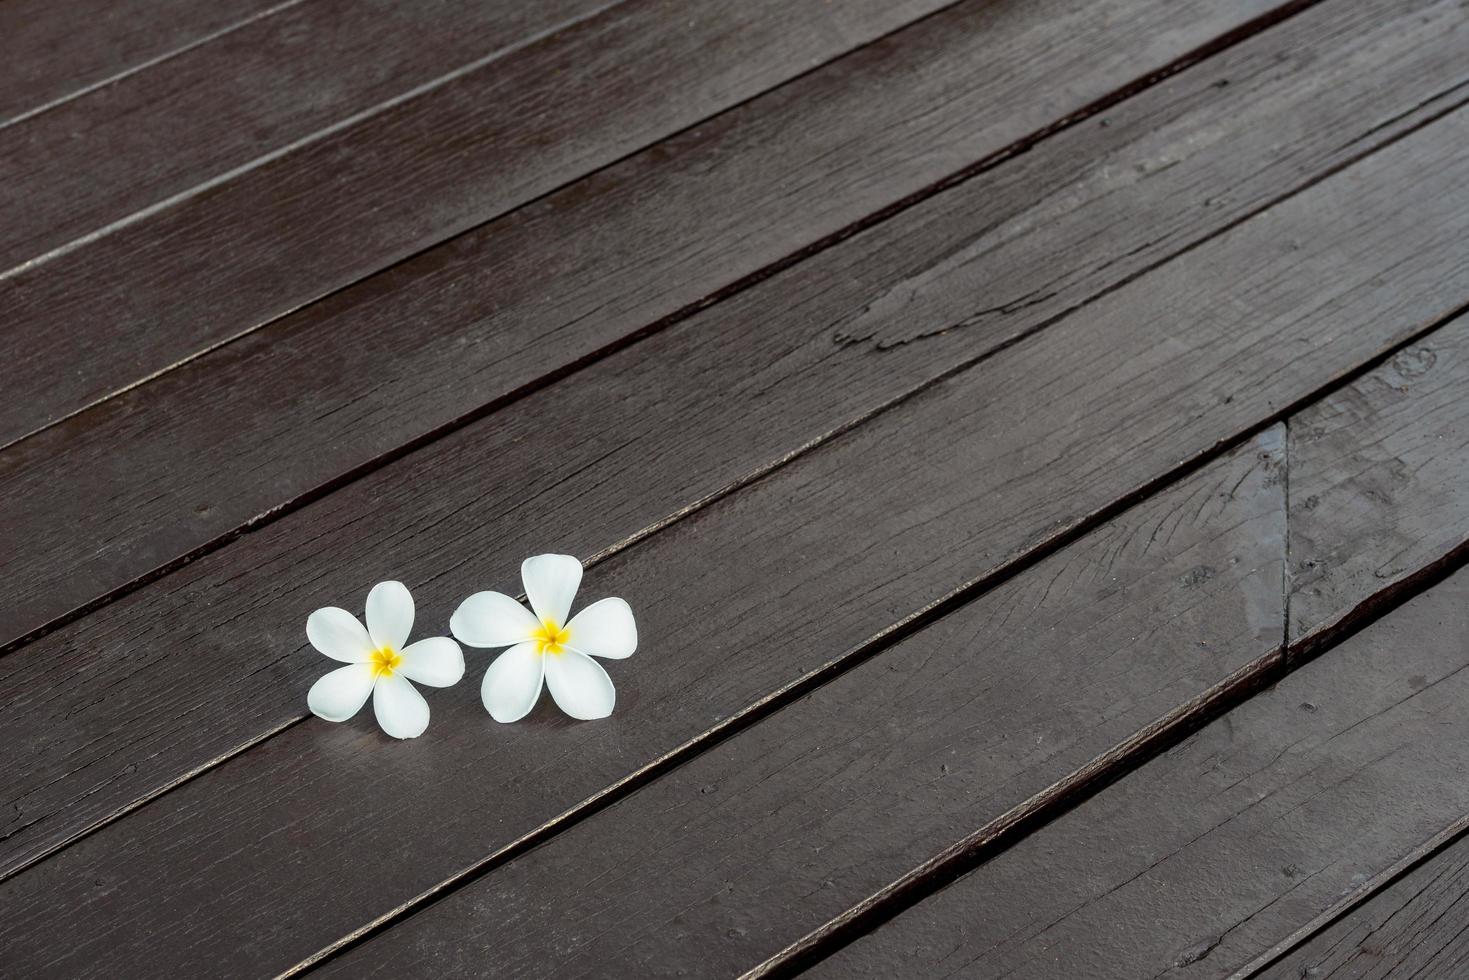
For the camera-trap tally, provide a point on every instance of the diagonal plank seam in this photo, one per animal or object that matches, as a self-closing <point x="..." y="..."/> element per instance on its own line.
<point x="149" y="63"/>
<point x="1044" y="806"/>
<point x="1406" y="114"/>
<point x="1160" y="736"/>
<point x="347" y="122"/>
<point x="984" y="164"/>
<point x="1285" y="576"/>
<point x="1426" y="852"/>
<point x="1023" y="561"/>
<point x="363" y="116"/>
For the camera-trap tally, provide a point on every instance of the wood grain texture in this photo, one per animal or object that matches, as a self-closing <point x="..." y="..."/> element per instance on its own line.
<point x="1377" y="485"/>
<point x="938" y="737"/>
<point x="1075" y="216"/>
<point x="817" y="806"/>
<point x="50" y="52"/>
<point x="237" y="254"/>
<point x="1413" y="928"/>
<point x="950" y="486"/>
<point x="1229" y="843"/>
<point x="210" y="111"/>
<point x="626" y="443"/>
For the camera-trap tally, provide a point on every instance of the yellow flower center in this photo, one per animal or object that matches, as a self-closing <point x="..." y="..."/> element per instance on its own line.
<point x="385" y="661"/>
<point x="551" y="637"/>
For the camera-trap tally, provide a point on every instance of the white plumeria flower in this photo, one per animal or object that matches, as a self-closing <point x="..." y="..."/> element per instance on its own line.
<point x="545" y="645"/>
<point x="380" y="662"/>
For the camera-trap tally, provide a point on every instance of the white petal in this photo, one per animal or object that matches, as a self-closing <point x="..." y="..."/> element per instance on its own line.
<point x="512" y="683"/>
<point x="604" y="629"/>
<point x="400" y="709"/>
<point x="339" y="695"/>
<point x="336" y="633"/>
<point x="492" y="619"/>
<point x="436" y="662"/>
<point x="389" y="615"/>
<point x="580" y="686"/>
<point x="550" y="585"/>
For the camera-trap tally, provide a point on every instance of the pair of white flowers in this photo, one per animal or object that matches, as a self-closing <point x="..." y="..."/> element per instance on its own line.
<point x="544" y="646"/>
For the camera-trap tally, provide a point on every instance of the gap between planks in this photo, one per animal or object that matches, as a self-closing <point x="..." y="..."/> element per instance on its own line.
<point x="142" y="66"/>
<point x="984" y="164"/>
<point x="347" y="122"/>
<point x="363" y="116"/>
<point x="1423" y="854"/>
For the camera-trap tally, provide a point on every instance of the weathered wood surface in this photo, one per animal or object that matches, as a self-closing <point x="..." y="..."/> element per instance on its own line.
<point x="1010" y="455"/>
<point x="1061" y="224"/>
<point x="50" y="52"/>
<point x="237" y="254"/>
<point x="1377" y="486"/>
<point x="1415" y="927"/>
<point x="1225" y="846"/>
<point x="954" y="731"/>
<point x="82" y="168"/>
<point x="651" y="443"/>
<point x="831" y="798"/>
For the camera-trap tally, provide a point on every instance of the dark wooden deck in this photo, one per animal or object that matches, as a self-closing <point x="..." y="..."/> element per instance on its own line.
<point x="1033" y="438"/>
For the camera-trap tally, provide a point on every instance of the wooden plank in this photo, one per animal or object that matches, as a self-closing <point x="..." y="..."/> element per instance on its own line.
<point x="50" y="52"/>
<point x="952" y="487"/>
<point x="1226" y="845"/>
<point x="94" y="162"/>
<point x="648" y="432"/>
<point x="1412" y="928"/>
<point x="1104" y="204"/>
<point x="232" y="255"/>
